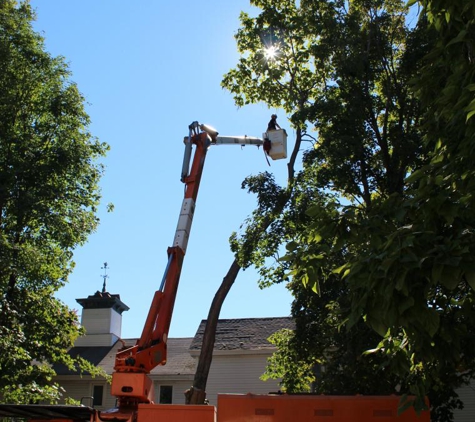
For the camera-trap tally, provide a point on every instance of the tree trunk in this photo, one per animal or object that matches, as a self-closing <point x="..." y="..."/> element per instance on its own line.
<point x="197" y="393"/>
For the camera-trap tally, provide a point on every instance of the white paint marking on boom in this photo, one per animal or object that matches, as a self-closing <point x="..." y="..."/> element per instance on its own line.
<point x="183" y="228"/>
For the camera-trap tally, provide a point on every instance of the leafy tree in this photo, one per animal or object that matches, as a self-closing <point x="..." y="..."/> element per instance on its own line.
<point x="379" y="221"/>
<point x="286" y="361"/>
<point x="48" y="198"/>
<point x="283" y="88"/>
<point x="426" y="258"/>
<point x="408" y="258"/>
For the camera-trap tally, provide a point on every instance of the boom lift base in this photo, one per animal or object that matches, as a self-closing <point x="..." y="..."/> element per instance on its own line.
<point x="136" y="386"/>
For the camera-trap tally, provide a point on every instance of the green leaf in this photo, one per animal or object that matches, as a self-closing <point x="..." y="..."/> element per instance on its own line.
<point x="377" y="325"/>
<point x="313" y="210"/>
<point x="431" y="321"/>
<point x="459" y="38"/>
<point x="339" y="269"/>
<point x="291" y="246"/>
<point x="471" y="106"/>
<point x="437" y="270"/>
<point x="407" y="303"/>
<point x="317" y="238"/>
<point x="450" y="277"/>
<point x="469" y="115"/>
<point x="415" y="176"/>
<point x="470" y="277"/>
<point x="400" y="281"/>
<point x="316" y="287"/>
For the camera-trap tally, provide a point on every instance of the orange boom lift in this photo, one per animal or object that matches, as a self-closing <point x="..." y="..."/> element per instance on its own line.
<point x="130" y="382"/>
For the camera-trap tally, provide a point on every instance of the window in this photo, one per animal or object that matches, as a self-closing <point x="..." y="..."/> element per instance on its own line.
<point x="97" y="393"/>
<point x="166" y="394"/>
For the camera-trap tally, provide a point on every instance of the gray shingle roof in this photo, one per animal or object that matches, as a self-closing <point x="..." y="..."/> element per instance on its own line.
<point x="243" y="333"/>
<point x="103" y="300"/>
<point x="246" y="334"/>
<point x="179" y="362"/>
<point x="93" y="354"/>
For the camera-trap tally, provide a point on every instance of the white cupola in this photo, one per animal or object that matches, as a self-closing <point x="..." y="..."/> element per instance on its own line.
<point x="101" y="318"/>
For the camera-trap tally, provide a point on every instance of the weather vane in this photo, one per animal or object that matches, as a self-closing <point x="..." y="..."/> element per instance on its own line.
<point x="104" y="276"/>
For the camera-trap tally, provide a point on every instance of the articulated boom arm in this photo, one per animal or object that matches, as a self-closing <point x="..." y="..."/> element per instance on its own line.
<point x="130" y="383"/>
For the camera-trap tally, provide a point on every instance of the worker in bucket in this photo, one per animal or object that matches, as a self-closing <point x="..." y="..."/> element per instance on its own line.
<point x="273" y="125"/>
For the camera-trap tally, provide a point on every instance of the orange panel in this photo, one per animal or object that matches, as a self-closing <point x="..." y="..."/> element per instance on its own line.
<point x="176" y="413"/>
<point x="127" y="384"/>
<point x="310" y="408"/>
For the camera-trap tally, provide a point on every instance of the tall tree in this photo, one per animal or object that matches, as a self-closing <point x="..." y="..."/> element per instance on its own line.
<point x="426" y="258"/>
<point x="48" y="198"/>
<point x="355" y="244"/>
<point x="401" y="245"/>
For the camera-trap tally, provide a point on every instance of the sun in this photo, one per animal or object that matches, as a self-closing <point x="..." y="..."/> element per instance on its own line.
<point x="271" y="52"/>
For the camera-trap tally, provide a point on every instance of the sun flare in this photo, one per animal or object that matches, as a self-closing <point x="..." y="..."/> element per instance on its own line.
<point x="270" y="53"/>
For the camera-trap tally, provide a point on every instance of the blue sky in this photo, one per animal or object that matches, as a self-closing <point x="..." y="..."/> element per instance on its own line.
<point x="147" y="69"/>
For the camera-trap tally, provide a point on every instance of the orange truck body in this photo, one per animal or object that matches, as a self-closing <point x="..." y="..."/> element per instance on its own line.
<point x="282" y="408"/>
<point x="312" y="408"/>
<point x="237" y="408"/>
<point x="175" y="413"/>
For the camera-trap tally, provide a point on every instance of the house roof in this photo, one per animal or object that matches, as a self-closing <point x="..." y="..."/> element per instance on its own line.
<point x="93" y="354"/>
<point x="243" y="333"/>
<point x="179" y="361"/>
<point x="103" y="300"/>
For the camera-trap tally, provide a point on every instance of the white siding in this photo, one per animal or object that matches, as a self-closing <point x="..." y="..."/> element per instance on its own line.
<point x="116" y="323"/>
<point x="76" y="390"/>
<point x="97" y="321"/>
<point x="109" y="400"/>
<point x="238" y="374"/>
<point x="81" y="390"/>
<point x="467" y="395"/>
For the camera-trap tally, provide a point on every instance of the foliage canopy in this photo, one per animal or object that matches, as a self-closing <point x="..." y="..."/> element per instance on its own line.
<point x="48" y="198"/>
<point x="379" y="222"/>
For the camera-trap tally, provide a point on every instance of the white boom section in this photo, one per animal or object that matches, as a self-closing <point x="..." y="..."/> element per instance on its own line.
<point x="239" y="140"/>
<point x="277" y="138"/>
<point x="183" y="228"/>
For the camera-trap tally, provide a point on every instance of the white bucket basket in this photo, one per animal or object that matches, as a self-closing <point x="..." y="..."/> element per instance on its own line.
<point x="278" y="140"/>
